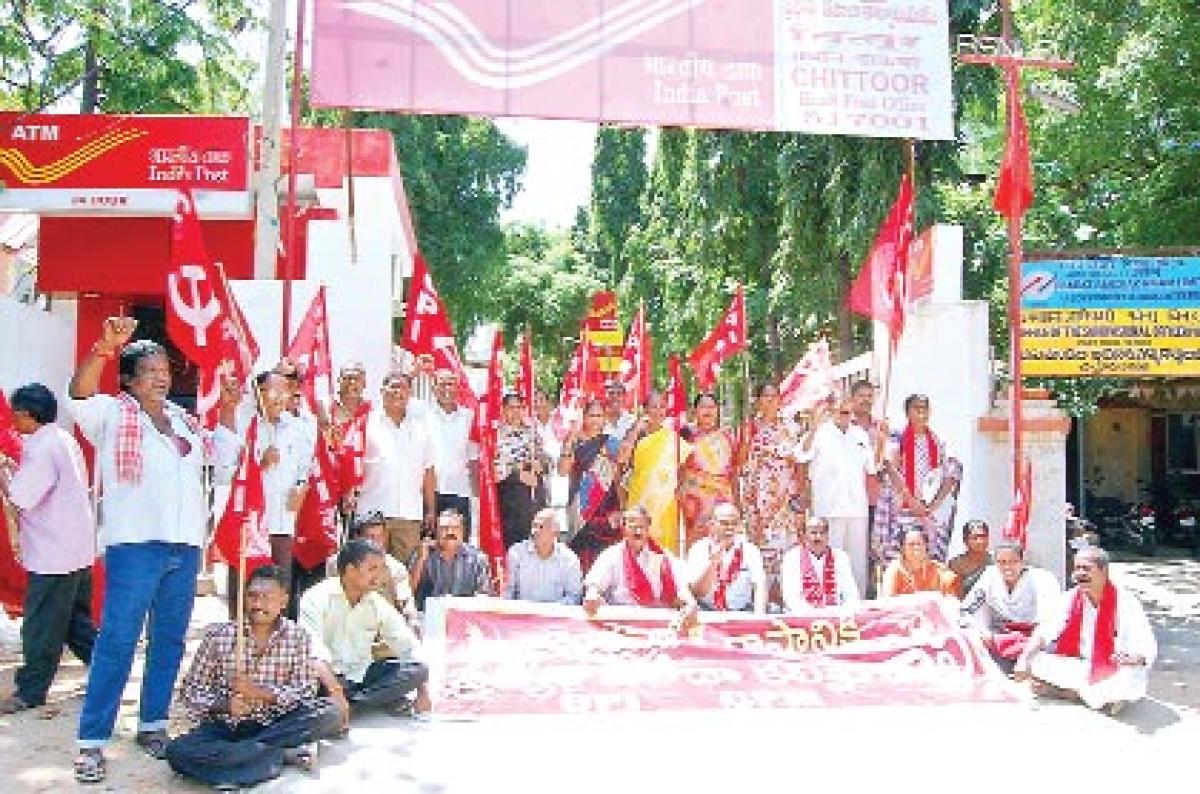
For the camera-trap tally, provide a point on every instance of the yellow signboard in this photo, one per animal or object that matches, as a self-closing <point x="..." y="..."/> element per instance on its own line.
<point x="1113" y="342"/>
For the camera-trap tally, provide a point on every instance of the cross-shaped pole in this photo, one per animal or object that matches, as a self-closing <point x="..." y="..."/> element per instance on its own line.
<point x="1007" y="56"/>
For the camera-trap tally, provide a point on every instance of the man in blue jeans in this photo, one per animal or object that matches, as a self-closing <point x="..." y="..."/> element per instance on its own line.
<point x="150" y="457"/>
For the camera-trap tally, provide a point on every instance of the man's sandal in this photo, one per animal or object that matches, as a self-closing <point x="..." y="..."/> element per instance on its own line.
<point x="154" y="743"/>
<point x="303" y="757"/>
<point x="90" y="766"/>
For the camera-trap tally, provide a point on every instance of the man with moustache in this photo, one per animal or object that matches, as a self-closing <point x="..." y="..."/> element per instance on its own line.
<point x="637" y="572"/>
<point x="249" y="725"/>
<point x="814" y="574"/>
<point x="1096" y="646"/>
<point x="727" y="572"/>
<point x="447" y="566"/>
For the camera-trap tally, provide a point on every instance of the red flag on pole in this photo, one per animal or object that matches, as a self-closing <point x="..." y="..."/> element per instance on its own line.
<point x="243" y="516"/>
<point x="879" y="290"/>
<point x="351" y="468"/>
<point x="310" y="347"/>
<point x="427" y="328"/>
<point x="636" y="364"/>
<point x="675" y="393"/>
<point x="487" y="414"/>
<point x="1017" y="526"/>
<point x="809" y="382"/>
<point x="1014" y="188"/>
<point x="526" y="382"/>
<point x="10" y="439"/>
<point x="316" y="524"/>
<point x="570" y="398"/>
<point x="726" y="340"/>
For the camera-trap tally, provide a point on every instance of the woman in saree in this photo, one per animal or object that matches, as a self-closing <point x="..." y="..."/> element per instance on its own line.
<point x="709" y="472"/>
<point x="775" y="492"/>
<point x="593" y="460"/>
<point x="654" y="472"/>
<point x="920" y="486"/>
<point x="915" y="572"/>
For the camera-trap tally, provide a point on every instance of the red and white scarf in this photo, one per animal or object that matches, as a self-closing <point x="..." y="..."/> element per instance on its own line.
<point x="128" y="453"/>
<point x="823" y="592"/>
<point x="908" y="450"/>
<point x="1104" y="638"/>
<point x="639" y="584"/>
<point x="725" y="578"/>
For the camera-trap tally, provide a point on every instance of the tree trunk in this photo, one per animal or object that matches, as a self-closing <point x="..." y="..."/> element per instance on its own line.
<point x="90" y="93"/>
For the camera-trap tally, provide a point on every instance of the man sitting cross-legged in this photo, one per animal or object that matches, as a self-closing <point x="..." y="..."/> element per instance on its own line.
<point x="345" y="617"/>
<point x="249" y="725"/>
<point x="815" y="574"/>
<point x="1096" y="644"/>
<point x="637" y="572"/>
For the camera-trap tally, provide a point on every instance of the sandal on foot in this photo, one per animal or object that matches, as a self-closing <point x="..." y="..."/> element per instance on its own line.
<point x="13" y="704"/>
<point x="90" y="766"/>
<point x="304" y="756"/>
<point x="154" y="743"/>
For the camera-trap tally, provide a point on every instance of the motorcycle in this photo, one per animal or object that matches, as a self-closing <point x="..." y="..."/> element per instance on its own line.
<point x="1139" y="528"/>
<point x="1180" y="529"/>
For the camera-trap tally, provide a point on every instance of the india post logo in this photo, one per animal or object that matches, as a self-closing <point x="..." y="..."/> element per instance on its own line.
<point x="1038" y="286"/>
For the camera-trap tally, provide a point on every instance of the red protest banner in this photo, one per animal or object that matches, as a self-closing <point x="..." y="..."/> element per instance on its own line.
<point x="519" y="658"/>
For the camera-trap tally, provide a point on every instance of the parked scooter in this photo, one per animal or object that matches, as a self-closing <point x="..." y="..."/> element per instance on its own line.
<point x="1139" y="529"/>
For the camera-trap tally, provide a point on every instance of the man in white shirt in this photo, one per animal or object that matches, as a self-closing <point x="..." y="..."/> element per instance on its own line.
<point x="1097" y="644"/>
<point x="814" y="574"/>
<point x="637" y="572"/>
<point x="399" y="479"/>
<point x="344" y="617"/>
<point x="541" y="568"/>
<point x="457" y="457"/>
<point x="726" y="572"/>
<point x="839" y="458"/>
<point x="395" y="584"/>
<point x="617" y="421"/>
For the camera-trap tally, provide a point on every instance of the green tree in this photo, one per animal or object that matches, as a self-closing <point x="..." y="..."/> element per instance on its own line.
<point x="177" y="56"/>
<point x="618" y="181"/>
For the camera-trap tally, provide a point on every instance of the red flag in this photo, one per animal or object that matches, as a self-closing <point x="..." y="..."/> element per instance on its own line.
<point x="526" y="383"/>
<point x="570" y="399"/>
<point x="1014" y="188"/>
<point x="487" y="413"/>
<point x="726" y="340"/>
<point x="675" y="394"/>
<point x="1017" y="527"/>
<point x="427" y="328"/>
<point x="636" y="364"/>
<point x="316" y="524"/>
<point x="10" y="439"/>
<point x="243" y="516"/>
<point x="351" y="469"/>
<point x="809" y="382"/>
<point x="310" y="347"/>
<point x="879" y="290"/>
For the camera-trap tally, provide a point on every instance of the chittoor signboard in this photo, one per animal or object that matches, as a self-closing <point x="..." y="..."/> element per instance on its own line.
<point x="1116" y="316"/>
<point x="127" y="165"/>
<point x="876" y="68"/>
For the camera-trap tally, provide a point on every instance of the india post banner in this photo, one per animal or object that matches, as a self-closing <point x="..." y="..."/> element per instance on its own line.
<point x="855" y="67"/>
<point x="508" y="657"/>
<point x="1118" y="316"/>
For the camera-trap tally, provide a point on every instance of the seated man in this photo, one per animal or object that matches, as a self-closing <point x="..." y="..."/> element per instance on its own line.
<point x="637" y="572"/>
<point x="814" y="574"/>
<point x="248" y="726"/>
<point x="344" y="617"/>
<point x="447" y="566"/>
<point x="1096" y="645"/>
<point x="394" y="584"/>
<point x="971" y="564"/>
<point x="1008" y="601"/>
<point x="726" y="571"/>
<point x="540" y="568"/>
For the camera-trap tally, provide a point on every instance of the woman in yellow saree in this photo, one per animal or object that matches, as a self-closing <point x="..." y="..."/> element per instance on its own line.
<point x="654" y="472"/>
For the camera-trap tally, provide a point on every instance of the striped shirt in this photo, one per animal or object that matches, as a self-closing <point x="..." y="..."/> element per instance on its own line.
<point x="465" y="574"/>
<point x="554" y="579"/>
<point x="283" y="666"/>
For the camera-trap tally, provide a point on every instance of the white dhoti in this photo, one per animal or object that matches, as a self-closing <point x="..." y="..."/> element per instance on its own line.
<point x="850" y="535"/>
<point x="1127" y="684"/>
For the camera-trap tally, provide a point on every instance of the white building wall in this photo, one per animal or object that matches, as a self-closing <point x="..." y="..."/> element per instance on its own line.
<point x="37" y="345"/>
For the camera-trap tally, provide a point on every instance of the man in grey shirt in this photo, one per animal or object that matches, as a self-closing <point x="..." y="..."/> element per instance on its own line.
<point x="447" y="566"/>
<point x="541" y="568"/>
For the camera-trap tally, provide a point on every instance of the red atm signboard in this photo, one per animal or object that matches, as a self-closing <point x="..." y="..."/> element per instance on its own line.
<point x="126" y="165"/>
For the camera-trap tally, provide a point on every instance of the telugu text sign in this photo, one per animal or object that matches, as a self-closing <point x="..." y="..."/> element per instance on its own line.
<point x="876" y="68"/>
<point x="1119" y="316"/>
<point x="503" y="657"/>
<point x="132" y="165"/>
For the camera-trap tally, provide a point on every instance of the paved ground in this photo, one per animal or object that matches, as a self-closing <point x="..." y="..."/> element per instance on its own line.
<point x="1151" y="746"/>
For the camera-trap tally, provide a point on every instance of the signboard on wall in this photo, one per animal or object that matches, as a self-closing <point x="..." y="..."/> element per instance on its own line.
<point x="1113" y="316"/>
<point x="877" y="68"/>
<point x="123" y="165"/>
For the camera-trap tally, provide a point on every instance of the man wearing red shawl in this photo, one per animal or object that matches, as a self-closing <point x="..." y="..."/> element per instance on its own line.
<point x="726" y="571"/>
<point x="637" y="572"/>
<point x="1097" y="644"/>
<point x="814" y="574"/>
